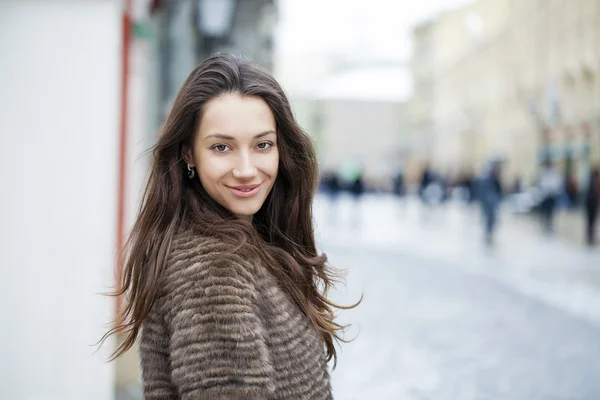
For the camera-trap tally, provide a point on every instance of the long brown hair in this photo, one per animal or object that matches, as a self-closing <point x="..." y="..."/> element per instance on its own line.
<point x="281" y="234"/>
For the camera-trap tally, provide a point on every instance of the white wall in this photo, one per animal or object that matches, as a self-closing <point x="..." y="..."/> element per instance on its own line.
<point x="59" y="110"/>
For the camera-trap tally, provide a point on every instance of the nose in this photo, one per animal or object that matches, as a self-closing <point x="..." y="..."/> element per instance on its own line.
<point x="244" y="168"/>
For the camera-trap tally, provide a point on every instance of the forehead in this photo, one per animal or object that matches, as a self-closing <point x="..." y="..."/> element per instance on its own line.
<point x="236" y="115"/>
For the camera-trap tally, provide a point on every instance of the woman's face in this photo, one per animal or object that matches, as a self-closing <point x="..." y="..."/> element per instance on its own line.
<point x="235" y="152"/>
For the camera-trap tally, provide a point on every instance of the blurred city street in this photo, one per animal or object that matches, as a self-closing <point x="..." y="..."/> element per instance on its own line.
<point x="445" y="318"/>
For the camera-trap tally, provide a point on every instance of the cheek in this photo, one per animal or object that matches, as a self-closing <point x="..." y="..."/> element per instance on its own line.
<point x="271" y="164"/>
<point x="212" y="169"/>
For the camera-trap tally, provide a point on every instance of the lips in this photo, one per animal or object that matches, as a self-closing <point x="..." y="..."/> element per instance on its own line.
<point x="245" y="191"/>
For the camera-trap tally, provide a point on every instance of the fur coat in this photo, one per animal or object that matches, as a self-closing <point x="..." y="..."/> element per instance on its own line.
<point x="221" y="328"/>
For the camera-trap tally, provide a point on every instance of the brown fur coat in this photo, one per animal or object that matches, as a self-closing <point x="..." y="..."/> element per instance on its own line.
<point x="223" y="329"/>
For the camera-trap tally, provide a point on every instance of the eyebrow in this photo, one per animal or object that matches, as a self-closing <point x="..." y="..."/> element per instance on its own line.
<point x="227" y="137"/>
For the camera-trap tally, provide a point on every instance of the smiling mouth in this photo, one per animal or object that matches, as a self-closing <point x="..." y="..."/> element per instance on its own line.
<point x="245" y="191"/>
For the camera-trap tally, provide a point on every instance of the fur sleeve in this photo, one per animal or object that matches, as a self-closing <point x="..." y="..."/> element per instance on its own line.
<point x="154" y="356"/>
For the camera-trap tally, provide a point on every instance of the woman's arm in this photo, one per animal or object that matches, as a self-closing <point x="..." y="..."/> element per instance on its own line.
<point x="154" y="354"/>
<point x="217" y="343"/>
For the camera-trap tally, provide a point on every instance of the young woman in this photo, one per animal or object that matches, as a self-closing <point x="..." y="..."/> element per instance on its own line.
<point x="224" y="285"/>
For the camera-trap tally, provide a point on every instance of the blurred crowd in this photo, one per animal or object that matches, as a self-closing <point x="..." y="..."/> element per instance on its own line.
<point x="552" y="191"/>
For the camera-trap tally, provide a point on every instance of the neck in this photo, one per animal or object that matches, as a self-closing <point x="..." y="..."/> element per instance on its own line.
<point x="245" y="217"/>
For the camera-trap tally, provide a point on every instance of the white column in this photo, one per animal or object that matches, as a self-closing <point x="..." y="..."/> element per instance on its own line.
<point x="59" y="119"/>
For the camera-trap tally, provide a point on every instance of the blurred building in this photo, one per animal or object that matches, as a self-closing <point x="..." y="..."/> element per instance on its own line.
<point x="357" y="117"/>
<point x="513" y="78"/>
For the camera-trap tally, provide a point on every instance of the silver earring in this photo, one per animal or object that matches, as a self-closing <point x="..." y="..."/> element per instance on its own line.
<point x="191" y="171"/>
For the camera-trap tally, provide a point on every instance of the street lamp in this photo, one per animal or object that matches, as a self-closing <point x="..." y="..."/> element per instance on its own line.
<point x="474" y="23"/>
<point x="215" y="17"/>
<point x="213" y="24"/>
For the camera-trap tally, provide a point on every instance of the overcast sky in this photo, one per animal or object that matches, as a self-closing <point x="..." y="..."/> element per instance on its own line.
<point x="380" y="28"/>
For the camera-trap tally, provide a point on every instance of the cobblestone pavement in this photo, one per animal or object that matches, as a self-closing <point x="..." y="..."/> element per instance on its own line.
<point x="429" y="331"/>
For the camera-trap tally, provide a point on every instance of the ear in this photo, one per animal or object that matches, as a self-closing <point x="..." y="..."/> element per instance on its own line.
<point x="186" y="153"/>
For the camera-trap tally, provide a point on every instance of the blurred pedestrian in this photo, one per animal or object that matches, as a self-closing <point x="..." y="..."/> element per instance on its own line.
<point x="398" y="182"/>
<point x="357" y="189"/>
<point x="426" y="180"/>
<point x="490" y="197"/>
<point x="571" y="190"/>
<point x="517" y="186"/>
<point x="468" y="184"/>
<point x="592" y="198"/>
<point x="399" y="190"/>
<point x="331" y="184"/>
<point x="331" y="181"/>
<point x="551" y="185"/>
<point x="223" y="255"/>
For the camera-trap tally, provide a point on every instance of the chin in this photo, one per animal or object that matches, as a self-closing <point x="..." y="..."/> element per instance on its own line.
<point x="246" y="210"/>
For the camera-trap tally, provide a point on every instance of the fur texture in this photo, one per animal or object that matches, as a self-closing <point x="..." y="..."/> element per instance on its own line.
<point x="223" y="329"/>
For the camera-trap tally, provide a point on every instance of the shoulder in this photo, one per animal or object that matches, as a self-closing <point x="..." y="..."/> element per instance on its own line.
<point x="197" y="260"/>
<point x="192" y="243"/>
<point x="204" y="276"/>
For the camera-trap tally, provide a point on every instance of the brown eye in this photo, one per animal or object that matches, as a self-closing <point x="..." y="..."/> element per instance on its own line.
<point x="220" y="148"/>
<point x="264" y="145"/>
